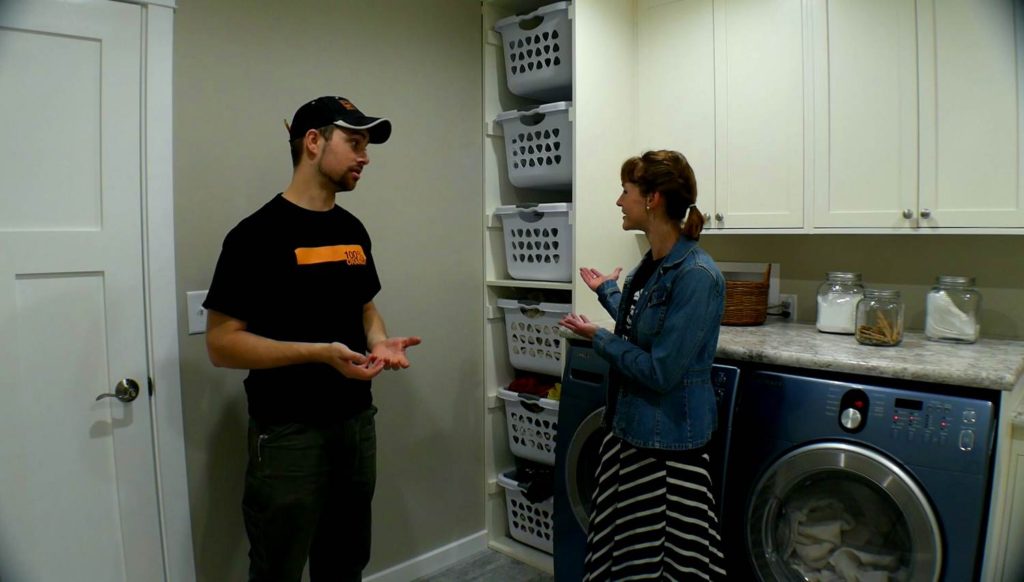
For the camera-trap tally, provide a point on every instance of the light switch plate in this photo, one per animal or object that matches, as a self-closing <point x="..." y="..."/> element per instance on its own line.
<point x="196" y="311"/>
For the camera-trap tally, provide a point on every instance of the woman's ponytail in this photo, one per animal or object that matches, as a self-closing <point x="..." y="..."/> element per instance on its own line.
<point x="693" y="224"/>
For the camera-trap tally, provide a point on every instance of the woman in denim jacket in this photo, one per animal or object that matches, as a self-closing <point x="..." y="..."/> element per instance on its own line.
<point x="654" y="515"/>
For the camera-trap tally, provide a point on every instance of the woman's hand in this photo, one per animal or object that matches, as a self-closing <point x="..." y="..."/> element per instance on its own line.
<point x="593" y="278"/>
<point x="579" y="325"/>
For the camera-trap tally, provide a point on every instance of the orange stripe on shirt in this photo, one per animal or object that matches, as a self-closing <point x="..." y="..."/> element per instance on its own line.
<point x="351" y="254"/>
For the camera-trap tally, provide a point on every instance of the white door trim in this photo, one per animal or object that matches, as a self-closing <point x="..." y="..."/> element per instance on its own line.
<point x="165" y="3"/>
<point x="160" y="290"/>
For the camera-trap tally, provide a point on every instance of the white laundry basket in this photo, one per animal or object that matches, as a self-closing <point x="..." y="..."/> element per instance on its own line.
<point x="538" y="241"/>
<point x="531" y="329"/>
<point x="538" y="52"/>
<point x="528" y="522"/>
<point x="532" y="425"/>
<point x="538" y="146"/>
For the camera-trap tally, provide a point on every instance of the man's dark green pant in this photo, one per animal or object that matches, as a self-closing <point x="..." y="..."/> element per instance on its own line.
<point x="307" y="494"/>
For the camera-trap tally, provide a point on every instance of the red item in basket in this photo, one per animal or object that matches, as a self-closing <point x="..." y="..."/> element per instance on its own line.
<point x="531" y="385"/>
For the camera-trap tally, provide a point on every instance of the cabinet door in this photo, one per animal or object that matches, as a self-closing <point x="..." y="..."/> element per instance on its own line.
<point x="760" y="111"/>
<point x="970" y="104"/>
<point x="865" y="159"/>
<point x="676" y="79"/>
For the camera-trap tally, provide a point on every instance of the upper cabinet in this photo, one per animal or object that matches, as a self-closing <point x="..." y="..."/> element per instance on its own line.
<point x="866" y="128"/>
<point x="760" y="100"/>
<point x="916" y="114"/>
<point x="970" y="68"/>
<point x="891" y="115"/>
<point x="724" y="82"/>
<point x="676" y="81"/>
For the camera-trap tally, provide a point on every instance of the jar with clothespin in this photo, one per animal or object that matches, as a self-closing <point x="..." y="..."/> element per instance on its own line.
<point x="880" y="318"/>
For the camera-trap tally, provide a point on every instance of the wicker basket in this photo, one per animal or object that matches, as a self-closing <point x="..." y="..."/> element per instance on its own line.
<point x="746" y="302"/>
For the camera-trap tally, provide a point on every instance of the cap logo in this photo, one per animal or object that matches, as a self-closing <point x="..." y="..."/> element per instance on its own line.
<point x="346" y="104"/>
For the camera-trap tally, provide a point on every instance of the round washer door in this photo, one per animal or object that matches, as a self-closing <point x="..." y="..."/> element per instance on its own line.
<point x="841" y="510"/>
<point x="581" y="466"/>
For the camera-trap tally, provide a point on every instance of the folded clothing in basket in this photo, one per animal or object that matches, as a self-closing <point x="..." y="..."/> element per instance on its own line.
<point x="531" y="385"/>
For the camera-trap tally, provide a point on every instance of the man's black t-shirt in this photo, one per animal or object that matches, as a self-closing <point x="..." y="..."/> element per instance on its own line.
<point x="299" y="275"/>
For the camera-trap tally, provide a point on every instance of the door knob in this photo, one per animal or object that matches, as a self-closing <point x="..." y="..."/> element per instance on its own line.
<point x="926" y="213"/>
<point x="719" y="217"/>
<point x="126" y="390"/>
<point x="908" y="213"/>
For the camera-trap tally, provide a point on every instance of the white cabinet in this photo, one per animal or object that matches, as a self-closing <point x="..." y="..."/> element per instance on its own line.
<point x="892" y="115"/>
<point x="866" y="145"/>
<point x="1013" y="567"/>
<point x="761" y="100"/>
<point x="723" y="81"/>
<point x="970" y="62"/>
<point x="676" y="87"/>
<point x="917" y="114"/>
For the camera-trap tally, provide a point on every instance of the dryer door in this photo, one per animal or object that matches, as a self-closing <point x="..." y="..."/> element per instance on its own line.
<point x="581" y="466"/>
<point x="838" y="510"/>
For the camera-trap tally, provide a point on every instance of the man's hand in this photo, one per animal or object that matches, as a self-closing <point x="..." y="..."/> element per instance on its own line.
<point x="391" y="352"/>
<point x="352" y="364"/>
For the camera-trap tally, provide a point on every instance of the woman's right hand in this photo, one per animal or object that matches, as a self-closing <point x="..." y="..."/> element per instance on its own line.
<point x="593" y="278"/>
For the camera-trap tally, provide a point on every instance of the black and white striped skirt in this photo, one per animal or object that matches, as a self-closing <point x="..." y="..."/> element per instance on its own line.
<point x="653" y="516"/>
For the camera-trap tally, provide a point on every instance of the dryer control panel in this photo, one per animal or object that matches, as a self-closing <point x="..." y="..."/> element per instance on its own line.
<point x="921" y="428"/>
<point x="934" y="421"/>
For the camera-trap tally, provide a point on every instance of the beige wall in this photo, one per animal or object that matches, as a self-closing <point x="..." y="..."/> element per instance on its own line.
<point x="240" y="68"/>
<point x="909" y="263"/>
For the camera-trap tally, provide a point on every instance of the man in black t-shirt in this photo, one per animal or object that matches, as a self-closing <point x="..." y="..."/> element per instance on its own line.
<point x="292" y="301"/>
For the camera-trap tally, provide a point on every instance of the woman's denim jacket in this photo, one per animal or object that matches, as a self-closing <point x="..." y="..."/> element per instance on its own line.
<point x="663" y="398"/>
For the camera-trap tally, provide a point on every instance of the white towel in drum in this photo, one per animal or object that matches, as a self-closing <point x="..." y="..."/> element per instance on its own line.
<point x="821" y="531"/>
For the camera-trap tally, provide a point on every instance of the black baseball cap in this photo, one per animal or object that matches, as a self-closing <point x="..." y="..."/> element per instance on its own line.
<point x="324" y="111"/>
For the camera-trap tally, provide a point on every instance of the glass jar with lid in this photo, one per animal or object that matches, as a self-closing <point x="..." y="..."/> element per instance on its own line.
<point x="880" y="318"/>
<point x="837" y="302"/>
<point x="952" y="309"/>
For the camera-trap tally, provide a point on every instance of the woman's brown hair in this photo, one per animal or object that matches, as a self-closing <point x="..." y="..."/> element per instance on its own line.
<point x="669" y="173"/>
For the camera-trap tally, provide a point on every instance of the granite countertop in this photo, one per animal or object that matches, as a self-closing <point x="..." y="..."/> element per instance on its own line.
<point x="994" y="364"/>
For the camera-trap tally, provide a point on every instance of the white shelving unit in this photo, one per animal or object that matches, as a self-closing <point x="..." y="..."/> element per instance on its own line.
<point x="603" y="117"/>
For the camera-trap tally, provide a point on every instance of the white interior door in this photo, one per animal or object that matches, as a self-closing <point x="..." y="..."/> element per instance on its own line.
<point x="78" y="497"/>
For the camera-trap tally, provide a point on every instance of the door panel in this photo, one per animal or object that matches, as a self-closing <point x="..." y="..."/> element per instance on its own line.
<point x="867" y="159"/>
<point x="67" y="195"/>
<point x="760" y="110"/>
<point x="971" y="127"/>
<point x="676" y="73"/>
<point x="79" y="474"/>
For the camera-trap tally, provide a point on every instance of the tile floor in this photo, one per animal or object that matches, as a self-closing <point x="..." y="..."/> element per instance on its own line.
<point x="489" y="566"/>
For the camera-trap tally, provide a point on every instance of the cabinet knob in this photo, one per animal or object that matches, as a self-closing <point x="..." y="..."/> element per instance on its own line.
<point x="926" y="213"/>
<point x="908" y="213"/>
<point x="707" y="217"/>
<point x="719" y="217"/>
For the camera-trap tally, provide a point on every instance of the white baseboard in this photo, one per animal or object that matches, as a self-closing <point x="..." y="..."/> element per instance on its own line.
<point x="433" y="561"/>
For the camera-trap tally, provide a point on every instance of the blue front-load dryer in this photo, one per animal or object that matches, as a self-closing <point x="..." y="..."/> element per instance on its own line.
<point x="584" y="388"/>
<point x="578" y="440"/>
<point x="852" y="478"/>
